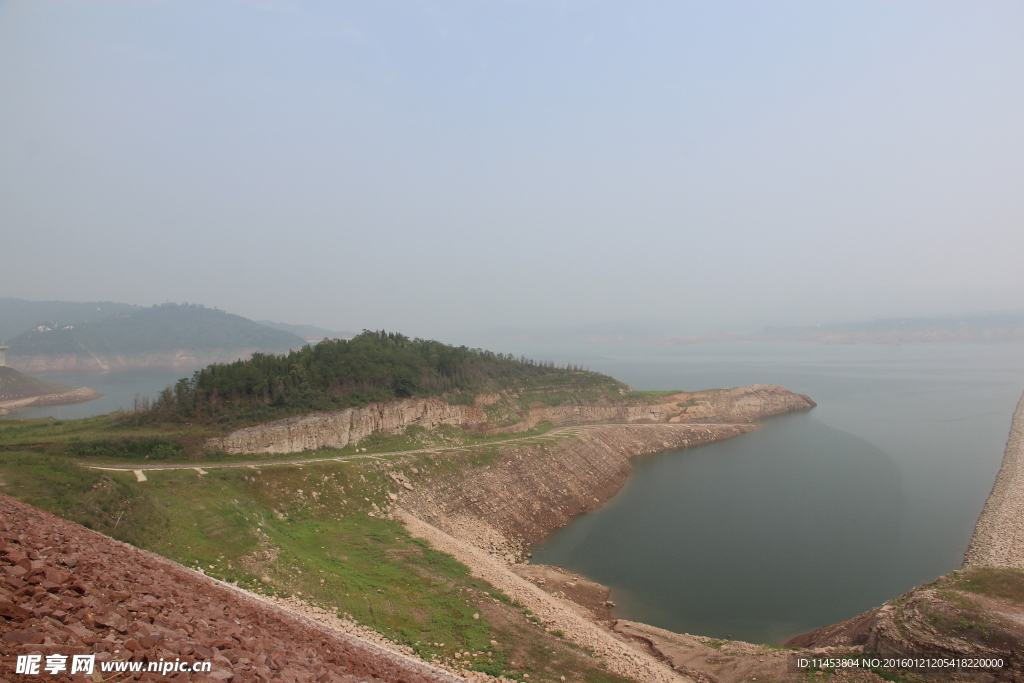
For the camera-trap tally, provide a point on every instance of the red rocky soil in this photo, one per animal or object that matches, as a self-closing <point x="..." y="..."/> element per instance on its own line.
<point x="67" y="590"/>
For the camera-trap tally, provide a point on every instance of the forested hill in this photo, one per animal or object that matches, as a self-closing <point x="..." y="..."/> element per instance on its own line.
<point x="373" y="366"/>
<point x="161" y="328"/>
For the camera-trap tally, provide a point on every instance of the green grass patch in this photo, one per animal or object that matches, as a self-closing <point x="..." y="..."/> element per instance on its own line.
<point x="105" y="502"/>
<point x="999" y="583"/>
<point x="317" y="532"/>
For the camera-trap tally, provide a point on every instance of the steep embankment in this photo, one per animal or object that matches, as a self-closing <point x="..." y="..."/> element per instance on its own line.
<point x="19" y="391"/>
<point x="529" y="490"/>
<point x="975" y="615"/>
<point x="344" y="427"/>
<point x="485" y="515"/>
<point x="67" y="590"/>
<point x="998" y="539"/>
<point x="341" y="428"/>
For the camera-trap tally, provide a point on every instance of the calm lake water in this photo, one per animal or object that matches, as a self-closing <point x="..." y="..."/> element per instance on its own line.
<point x="817" y="516"/>
<point x="813" y="519"/>
<point x="118" y="389"/>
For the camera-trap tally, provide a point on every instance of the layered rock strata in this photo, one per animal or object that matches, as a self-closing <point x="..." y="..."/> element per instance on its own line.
<point x="345" y="427"/>
<point x="940" y="621"/>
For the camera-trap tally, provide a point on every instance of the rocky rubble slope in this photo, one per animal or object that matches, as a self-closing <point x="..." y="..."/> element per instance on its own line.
<point x="65" y="590"/>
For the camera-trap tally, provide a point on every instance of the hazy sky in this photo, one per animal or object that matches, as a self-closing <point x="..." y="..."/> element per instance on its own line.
<point x="437" y="167"/>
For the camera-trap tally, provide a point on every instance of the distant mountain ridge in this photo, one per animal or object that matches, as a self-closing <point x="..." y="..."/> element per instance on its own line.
<point x="165" y="335"/>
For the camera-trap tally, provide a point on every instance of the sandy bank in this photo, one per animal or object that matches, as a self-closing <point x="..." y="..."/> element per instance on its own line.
<point x="998" y="538"/>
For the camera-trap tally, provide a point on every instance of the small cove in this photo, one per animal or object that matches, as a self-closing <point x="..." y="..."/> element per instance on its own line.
<point x="808" y="521"/>
<point x="816" y="516"/>
<point x="119" y="390"/>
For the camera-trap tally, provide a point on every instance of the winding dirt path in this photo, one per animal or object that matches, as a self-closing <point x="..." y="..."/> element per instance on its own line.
<point x="560" y="432"/>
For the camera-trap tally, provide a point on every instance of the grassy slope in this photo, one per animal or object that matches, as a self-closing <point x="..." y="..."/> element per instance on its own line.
<point x="311" y="531"/>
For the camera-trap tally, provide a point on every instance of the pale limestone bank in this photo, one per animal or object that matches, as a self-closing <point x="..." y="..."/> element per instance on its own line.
<point x="342" y="428"/>
<point x="998" y="539"/>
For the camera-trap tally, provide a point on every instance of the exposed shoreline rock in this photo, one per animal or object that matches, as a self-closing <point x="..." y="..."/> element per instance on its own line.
<point x="341" y="428"/>
<point x="622" y="657"/>
<point x="533" y="489"/>
<point x="486" y="517"/>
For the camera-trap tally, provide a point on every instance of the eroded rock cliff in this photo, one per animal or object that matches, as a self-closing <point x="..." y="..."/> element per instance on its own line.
<point x="342" y="428"/>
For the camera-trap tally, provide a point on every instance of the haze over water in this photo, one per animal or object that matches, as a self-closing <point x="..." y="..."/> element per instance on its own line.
<point x="817" y="516"/>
